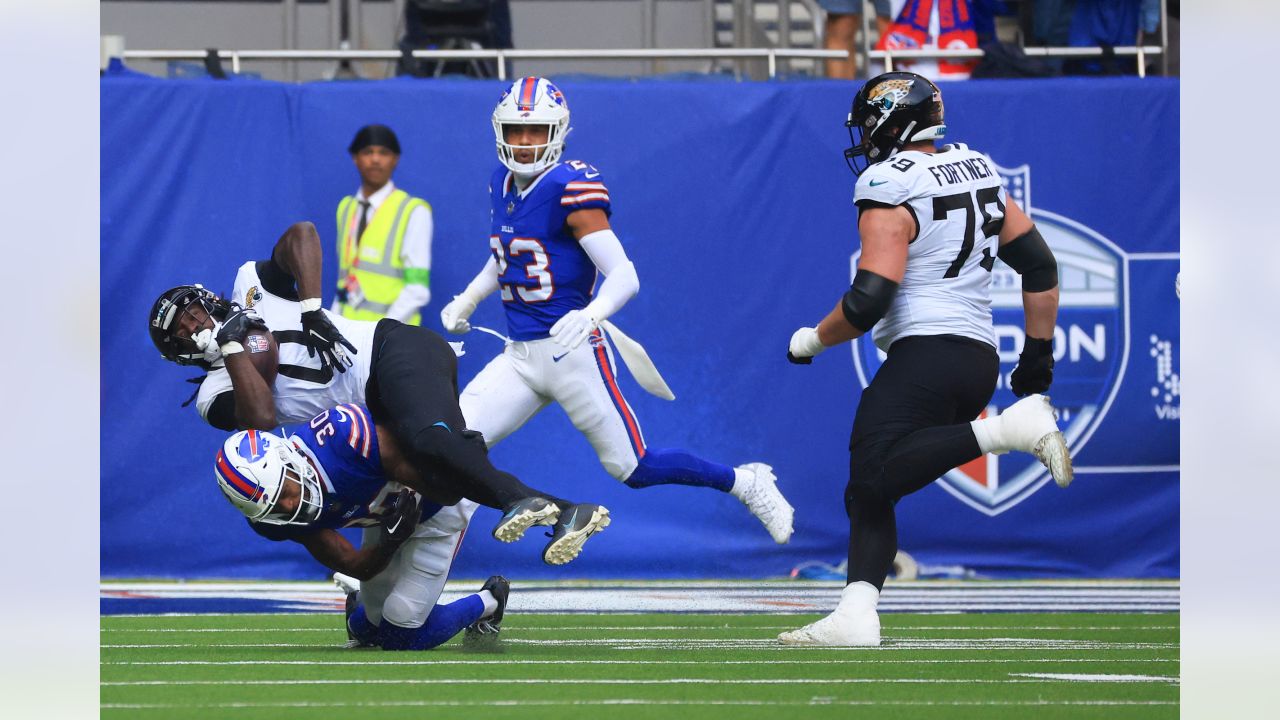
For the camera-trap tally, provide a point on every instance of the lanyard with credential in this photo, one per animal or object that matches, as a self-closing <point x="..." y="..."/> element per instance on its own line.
<point x="353" y="241"/>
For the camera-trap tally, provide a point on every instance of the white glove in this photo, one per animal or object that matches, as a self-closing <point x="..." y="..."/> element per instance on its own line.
<point x="454" y="315"/>
<point x="207" y="342"/>
<point x="576" y="326"/>
<point x="805" y="343"/>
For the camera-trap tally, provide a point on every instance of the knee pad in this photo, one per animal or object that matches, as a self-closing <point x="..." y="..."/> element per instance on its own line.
<point x="405" y="611"/>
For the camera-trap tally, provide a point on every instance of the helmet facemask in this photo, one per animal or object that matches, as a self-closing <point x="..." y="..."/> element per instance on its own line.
<point x="257" y="470"/>
<point x="532" y="101"/>
<point x="889" y="112"/>
<point x="166" y="325"/>
<point x="296" y="473"/>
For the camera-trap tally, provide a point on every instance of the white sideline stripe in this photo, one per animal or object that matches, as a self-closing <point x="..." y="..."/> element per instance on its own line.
<point x="732" y="643"/>
<point x="1114" y="469"/>
<point x="642" y="628"/>
<point x="769" y="585"/>
<point x="1030" y="678"/>
<point x="1096" y="678"/>
<point x="838" y="661"/>
<point x="633" y="701"/>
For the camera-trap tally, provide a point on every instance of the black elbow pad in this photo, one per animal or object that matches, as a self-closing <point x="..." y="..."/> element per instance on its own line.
<point x="1029" y="256"/>
<point x="868" y="299"/>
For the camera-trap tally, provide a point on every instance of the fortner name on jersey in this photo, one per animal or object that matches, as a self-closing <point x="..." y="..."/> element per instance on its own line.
<point x="303" y="387"/>
<point x="957" y="201"/>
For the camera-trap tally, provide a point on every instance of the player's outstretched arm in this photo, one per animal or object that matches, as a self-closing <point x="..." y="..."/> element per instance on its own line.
<point x="335" y="552"/>
<point x="1023" y="249"/>
<point x="454" y="317"/>
<point x="621" y="283"/>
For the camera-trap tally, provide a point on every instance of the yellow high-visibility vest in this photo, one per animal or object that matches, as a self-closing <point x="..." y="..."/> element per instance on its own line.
<point x="370" y="269"/>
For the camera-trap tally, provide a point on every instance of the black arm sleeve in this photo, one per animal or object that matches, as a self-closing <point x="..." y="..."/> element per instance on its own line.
<point x="276" y="280"/>
<point x="222" y="413"/>
<point x="1029" y="256"/>
<point x="868" y="299"/>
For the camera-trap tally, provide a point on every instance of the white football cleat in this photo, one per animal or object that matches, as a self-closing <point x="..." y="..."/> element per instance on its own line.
<point x="839" y="629"/>
<point x="757" y="487"/>
<point x="1030" y="425"/>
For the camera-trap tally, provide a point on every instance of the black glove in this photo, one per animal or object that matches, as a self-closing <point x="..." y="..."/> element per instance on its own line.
<point x="322" y="337"/>
<point x="238" y="324"/>
<point x="399" y="524"/>
<point x="1034" y="373"/>
<point x="808" y="360"/>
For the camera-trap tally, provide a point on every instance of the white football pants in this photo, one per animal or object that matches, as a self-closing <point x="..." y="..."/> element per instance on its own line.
<point x="406" y="590"/>
<point x="530" y="375"/>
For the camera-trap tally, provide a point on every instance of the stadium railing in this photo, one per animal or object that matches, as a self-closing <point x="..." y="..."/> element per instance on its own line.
<point x="771" y="55"/>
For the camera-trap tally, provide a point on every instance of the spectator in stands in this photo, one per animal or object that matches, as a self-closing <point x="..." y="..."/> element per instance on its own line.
<point x="1109" y="23"/>
<point x="384" y="238"/>
<point x="844" y="17"/>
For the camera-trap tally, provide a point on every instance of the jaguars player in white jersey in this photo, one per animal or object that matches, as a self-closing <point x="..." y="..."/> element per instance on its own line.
<point x="407" y="375"/>
<point x="549" y="241"/>
<point x="932" y="221"/>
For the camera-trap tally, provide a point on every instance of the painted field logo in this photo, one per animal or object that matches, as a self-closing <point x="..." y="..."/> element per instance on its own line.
<point x="1091" y="349"/>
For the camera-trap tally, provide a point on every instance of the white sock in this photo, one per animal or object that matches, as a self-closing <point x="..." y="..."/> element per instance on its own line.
<point x="741" y="479"/>
<point x="490" y="603"/>
<point x="990" y="435"/>
<point x="858" y="596"/>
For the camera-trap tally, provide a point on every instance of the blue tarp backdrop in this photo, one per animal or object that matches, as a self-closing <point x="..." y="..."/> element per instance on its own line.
<point x="733" y="200"/>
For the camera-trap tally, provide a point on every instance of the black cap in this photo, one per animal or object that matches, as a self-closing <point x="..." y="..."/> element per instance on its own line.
<point x="375" y="135"/>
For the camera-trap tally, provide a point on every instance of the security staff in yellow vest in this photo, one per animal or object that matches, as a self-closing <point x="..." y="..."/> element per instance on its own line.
<point x="384" y="237"/>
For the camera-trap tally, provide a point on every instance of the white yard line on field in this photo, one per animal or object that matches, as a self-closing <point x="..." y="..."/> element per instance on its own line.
<point x="634" y="701"/>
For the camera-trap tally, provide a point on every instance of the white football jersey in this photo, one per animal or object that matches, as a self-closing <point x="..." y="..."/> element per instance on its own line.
<point x="302" y="389"/>
<point x="958" y="204"/>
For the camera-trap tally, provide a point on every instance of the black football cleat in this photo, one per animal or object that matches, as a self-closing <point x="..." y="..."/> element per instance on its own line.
<point x="483" y="633"/>
<point x="577" y="523"/>
<point x="523" y="515"/>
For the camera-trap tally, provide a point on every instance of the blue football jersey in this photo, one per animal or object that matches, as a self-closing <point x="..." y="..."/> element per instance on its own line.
<point x="342" y="447"/>
<point x="542" y="270"/>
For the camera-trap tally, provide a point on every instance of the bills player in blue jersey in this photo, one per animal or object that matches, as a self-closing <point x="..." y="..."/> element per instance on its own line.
<point x="549" y="242"/>
<point x="341" y="470"/>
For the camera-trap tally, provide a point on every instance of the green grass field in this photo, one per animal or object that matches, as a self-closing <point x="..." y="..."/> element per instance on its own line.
<point x="647" y="666"/>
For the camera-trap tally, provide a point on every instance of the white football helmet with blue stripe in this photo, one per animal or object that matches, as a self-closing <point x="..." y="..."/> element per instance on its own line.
<point x="532" y="101"/>
<point x="256" y="470"/>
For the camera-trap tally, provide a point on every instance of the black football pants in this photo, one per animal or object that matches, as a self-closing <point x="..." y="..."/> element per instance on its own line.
<point x="413" y="390"/>
<point x="912" y="426"/>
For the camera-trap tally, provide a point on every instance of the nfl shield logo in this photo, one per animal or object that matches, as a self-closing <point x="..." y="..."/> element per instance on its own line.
<point x="511" y="207"/>
<point x="1091" y="349"/>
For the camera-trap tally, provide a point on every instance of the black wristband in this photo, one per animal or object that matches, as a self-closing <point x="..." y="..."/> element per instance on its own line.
<point x="1035" y="347"/>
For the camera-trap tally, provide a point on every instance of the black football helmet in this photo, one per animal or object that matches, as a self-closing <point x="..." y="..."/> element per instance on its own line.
<point x="163" y="322"/>
<point x="891" y="110"/>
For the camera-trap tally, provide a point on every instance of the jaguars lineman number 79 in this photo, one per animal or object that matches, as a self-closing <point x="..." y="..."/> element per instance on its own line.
<point x="549" y="240"/>
<point x="931" y="222"/>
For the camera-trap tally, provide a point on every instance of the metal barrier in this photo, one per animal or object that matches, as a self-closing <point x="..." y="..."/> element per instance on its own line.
<point x="772" y="55"/>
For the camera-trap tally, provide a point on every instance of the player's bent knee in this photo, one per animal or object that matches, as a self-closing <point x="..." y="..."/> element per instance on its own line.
<point x="865" y="492"/>
<point x="405" y="611"/>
